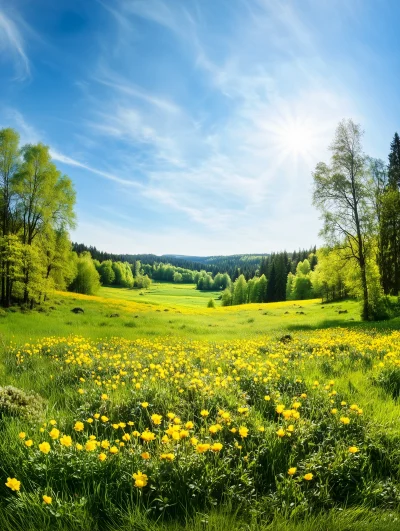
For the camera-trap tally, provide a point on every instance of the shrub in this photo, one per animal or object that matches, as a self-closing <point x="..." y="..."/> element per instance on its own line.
<point x="211" y="303"/>
<point x="15" y="402"/>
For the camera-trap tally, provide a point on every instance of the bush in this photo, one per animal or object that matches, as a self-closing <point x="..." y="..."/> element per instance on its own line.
<point x="211" y="303"/>
<point x="15" y="402"/>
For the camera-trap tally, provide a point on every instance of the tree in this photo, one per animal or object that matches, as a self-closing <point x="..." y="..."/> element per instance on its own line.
<point x="226" y="298"/>
<point x="239" y="291"/>
<point x="342" y="194"/>
<point x="87" y="280"/>
<point x="107" y="275"/>
<point x="45" y="198"/>
<point x="9" y="167"/>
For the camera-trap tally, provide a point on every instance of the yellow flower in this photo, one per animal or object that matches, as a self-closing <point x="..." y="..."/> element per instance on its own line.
<point x="280" y="432"/>
<point x="114" y="450"/>
<point x="79" y="426"/>
<point x="164" y="439"/>
<point x="216" y="447"/>
<point x="81" y="391"/>
<point x="140" y="479"/>
<point x="156" y="419"/>
<point x="13" y="484"/>
<point x="22" y="435"/>
<point x="168" y="457"/>
<point x="102" y="457"/>
<point x="115" y="426"/>
<point x="96" y="416"/>
<point x="292" y="471"/>
<point x="145" y="455"/>
<point x="90" y="446"/>
<point x="104" y="396"/>
<point x="148" y="436"/>
<point x="54" y="433"/>
<point x="47" y="499"/>
<point x="334" y="411"/>
<point x="79" y="447"/>
<point x="171" y="416"/>
<point x="105" y="444"/>
<point x="308" y="477"/>
<point x="29" y="443"/>
<point x="89" y="421"/>
<point x="194" y="441"/>
<point x="214" y="428"/>
<point x="243" y="431"/>
<point x="345" y="420"/>
<point x="267" y="398"/>
<point x="145" y="404"/>
<point x="53" y="422"/>
<point x="261" y="429"/>
<point x="66" y="441"/>
<point x="189" y="425"/>
<point x="44" y="447"/>
<point x="202" y="448"/>
<point x="126" y="437"/>
<point x="104" y="418"/>
<point x="204" y="413"/>
<point x="280" y="408"/>
<point x="353" y="449"/>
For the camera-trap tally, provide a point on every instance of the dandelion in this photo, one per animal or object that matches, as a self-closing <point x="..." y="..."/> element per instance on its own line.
<point x="243" y="431"/>
<point x="79" y="426"/>
<point x="140" y="479"/>
<point x="280" y="432"/>
<point x="13" y="484"/>
<point x="267" y="398"/>
<point x="47" y="499"/>
<point x="102" y="457"/>
<point x="216" y="447"/>
<point x="292" y="471"/>
<point x="145" y="455"/>
<point x="202" y="448"/>
<point x="280" y="408"/>
<point x="44" y="447"/>
<point x="104" y="418"/>
<point x="79" y="447"/>
<point x="90" y="446"/>
<point x="308" y="476"/>
<point x="66" y="441"/>
<point x="104" y="396"/>
<point x="204" y="413"/>
<point x="22" y="435"/>
<point x="148" y="436"/>
<point x="168" y="457"/>
<point x="156" y="419"/>
<point x="114" y="450"/>
<point x="345" y="420"/>
<point x="145" y="404"/>
<point x="353" y="449"/>
<point x="29" y="443"/>
<point x="54" y="433"/>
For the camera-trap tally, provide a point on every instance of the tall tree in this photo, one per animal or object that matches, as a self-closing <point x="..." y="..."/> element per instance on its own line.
<point x="9" y="167"/>
<point x="342" y="194"/>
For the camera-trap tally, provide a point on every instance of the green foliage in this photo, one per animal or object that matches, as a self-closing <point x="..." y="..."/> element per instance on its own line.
<point x="17" y="403"/>
<point x="211" y="303"/>
<point x="87" y="280"/>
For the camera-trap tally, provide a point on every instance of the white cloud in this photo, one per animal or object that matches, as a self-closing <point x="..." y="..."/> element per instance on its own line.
<point x="12" y="42"/>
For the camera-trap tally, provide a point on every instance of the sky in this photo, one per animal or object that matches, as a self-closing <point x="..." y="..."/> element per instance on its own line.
<point x="193" y="126"/>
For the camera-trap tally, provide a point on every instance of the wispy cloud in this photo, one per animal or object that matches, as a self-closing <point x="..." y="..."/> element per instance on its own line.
<point x="12" y="42"/>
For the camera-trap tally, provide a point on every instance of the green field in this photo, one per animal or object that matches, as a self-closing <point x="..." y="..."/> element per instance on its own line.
<point x="169" y="309"/>
<point x="166" y="348"/>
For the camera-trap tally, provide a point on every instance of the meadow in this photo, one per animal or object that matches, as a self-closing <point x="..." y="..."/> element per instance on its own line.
<point x="153" y="412"/>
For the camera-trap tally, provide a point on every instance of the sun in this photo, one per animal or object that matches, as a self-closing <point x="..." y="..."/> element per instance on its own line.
<point x="295" y="139"/>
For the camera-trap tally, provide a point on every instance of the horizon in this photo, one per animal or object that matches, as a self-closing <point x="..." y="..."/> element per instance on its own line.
<point x="192" y="128"/>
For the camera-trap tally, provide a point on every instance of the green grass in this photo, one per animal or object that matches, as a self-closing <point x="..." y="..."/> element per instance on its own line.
<point x="166" y="315"/>
<point x="170" y="309"/>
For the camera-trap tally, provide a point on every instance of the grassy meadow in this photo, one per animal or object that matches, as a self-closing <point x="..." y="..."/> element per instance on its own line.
<point x="150" y="411"/>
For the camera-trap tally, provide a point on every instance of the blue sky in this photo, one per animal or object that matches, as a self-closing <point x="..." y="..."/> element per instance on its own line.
<point x="193" y="126"/>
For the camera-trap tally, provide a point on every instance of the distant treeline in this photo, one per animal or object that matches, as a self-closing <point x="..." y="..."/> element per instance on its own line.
<point x="234" y="265"/>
